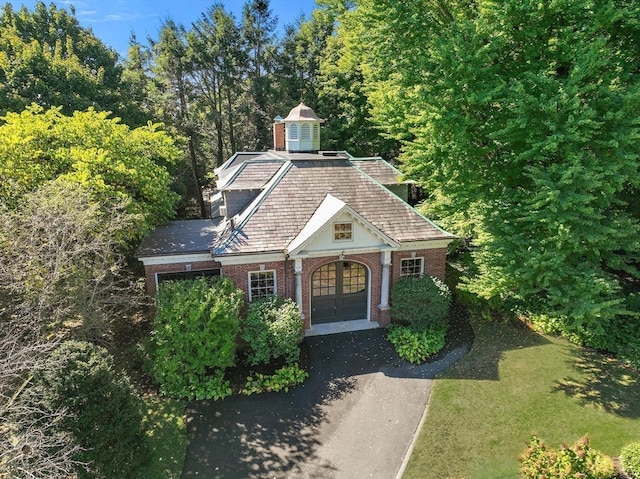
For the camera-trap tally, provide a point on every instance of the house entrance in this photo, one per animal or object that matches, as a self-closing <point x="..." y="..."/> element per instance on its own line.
<point x="339" y="292"/>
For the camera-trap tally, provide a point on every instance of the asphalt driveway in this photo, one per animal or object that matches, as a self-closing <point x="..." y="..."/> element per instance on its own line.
<point x="354" y="417"/>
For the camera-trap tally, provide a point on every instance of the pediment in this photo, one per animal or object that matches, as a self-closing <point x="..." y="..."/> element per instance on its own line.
<point x="318" y="234"/>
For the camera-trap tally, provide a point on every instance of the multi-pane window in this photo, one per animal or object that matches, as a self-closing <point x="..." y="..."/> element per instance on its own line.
<point x="324" y="280"/>
<point x="342" y="232"/>
<point x="354" y="277"/>
<point x="412" y="267"/>
<point x="262" y="284"/>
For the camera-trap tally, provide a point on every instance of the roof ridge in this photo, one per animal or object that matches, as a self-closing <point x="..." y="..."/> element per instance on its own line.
<point x="397" y="198"/>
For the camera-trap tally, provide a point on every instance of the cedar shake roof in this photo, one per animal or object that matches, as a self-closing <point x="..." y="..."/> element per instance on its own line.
<point x="251" y="175"/>
<point x="379" y="170"/>
<point x="294" y="194"/>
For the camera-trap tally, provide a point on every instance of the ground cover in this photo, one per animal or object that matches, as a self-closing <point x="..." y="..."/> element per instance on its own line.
<point x="515" y="383"/>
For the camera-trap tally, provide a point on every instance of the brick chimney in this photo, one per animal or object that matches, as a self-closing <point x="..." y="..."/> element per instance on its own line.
<point x="278" y="134"/>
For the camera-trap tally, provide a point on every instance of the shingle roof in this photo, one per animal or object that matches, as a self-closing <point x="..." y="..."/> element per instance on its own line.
<point x="251" y="175"/>
<point x="285" y="206"/>
<point x="378" y="169"/>
<point x="180" y="237"/>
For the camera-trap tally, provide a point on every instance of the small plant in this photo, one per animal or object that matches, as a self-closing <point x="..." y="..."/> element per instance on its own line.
<point x="420" y="302"/>
<point x="417" y="345"/>
<point x="630" y="459"/>
<point x="576" y="462"/>
<point x="283" y="379"/>
<point x="273" y="329"/>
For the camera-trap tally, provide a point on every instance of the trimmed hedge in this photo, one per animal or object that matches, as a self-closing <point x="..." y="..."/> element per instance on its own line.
<point x="273" y="329"/>
<point x="194" y="337"/>
<point x="420" y="302"/>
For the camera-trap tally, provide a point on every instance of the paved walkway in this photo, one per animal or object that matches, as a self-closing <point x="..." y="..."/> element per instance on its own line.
<point x="355" y="417"/>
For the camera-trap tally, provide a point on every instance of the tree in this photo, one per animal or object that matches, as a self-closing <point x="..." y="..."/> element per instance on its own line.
<point x="47" y="58"/>
<point x="32" y="445"/>
<point x="258" y="26"/>
<point x="520" y="119"/>
<point x="116" y="163"/>
<point x="62" y="271"/>
<point x="103" y="411"/>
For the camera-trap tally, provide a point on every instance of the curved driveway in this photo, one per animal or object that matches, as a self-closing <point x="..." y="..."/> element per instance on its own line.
<point x="354" y="417"/>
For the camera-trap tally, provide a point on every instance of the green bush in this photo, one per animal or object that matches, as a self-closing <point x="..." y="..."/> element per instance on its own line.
<point x="273" y="329"/>
<point x="420" y="302"/>
<point x="104" y="412"/>
<point x="576" y="462"/>
<point x="284" y="378"/>
<point x="194" y="337"/>
<point x="417" y="345"/>
<point x="630" y="459"/>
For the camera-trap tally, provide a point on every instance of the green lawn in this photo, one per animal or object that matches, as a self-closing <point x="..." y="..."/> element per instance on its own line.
<point x="515" y="383"/>
<point x="164" y="420"/>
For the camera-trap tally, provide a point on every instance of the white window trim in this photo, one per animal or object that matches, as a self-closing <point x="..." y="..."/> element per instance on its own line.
<point x="421" y="258"/>
<point x="345" y="240"/>
<point x="275" y="281"/>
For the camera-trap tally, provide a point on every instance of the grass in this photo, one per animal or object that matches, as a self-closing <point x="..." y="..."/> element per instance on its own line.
<point x="515" y="383"/>
<point x="164" y="421"/>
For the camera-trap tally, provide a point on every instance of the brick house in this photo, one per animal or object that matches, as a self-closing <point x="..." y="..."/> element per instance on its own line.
<point x="324" y="228"/>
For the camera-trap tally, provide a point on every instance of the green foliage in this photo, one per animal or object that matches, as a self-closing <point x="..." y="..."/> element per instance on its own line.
<point x="62" y="265"/>
<point x="282" y="379"/>
<point x="104" y="412"/>
<point x="48" y="58"/>
<point x="194" y="337"/>
<point x="520" y="119"/>
<point x="576" y="462"/>
<point x="417" y="345"/>
<point x="274" y="330"/>
<point x="116" y="163"/>
<point x="421" y="302"/>
<point x="630" y="459"/>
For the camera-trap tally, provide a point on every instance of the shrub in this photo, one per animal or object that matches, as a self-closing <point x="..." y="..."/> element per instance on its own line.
<point x="576" y="462"/>
<point x="420" y="302"/>
<point x="630" y="459"/>
<point x="104" y="413"/>
<point x="273" y="329"/>
<point x="284" y="378"/>
<point x="416" y="345"/>
<point x="194" y="337"/>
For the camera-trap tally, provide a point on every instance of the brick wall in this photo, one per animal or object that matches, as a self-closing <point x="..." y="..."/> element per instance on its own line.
<point x="435" y="261"/>
<point x="151" y="270"/>
<point x="239" y="274"/>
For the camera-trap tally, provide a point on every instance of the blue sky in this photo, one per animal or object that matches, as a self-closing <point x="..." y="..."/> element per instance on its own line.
<point x="113" y="20"/>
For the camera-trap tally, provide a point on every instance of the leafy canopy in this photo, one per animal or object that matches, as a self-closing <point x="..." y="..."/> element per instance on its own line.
<point x="520" y="118"/>
<point x="88" y="148"/>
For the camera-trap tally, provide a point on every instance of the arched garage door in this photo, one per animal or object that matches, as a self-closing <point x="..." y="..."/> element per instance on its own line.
<point x="339" y="292"/>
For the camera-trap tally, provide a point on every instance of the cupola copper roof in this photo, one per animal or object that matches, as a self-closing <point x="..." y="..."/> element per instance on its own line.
<point x="302" y="113"/>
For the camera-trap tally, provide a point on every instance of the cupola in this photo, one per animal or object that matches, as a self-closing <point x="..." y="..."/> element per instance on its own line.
<point x="302" y="130"/>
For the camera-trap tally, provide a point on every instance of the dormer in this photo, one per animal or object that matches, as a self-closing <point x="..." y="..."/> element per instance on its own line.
<point x="302" y="130"/>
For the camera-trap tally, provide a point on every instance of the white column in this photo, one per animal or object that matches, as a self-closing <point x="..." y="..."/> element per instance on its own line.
<point x="384" y="285"/>
<point x="297" y="269"/>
